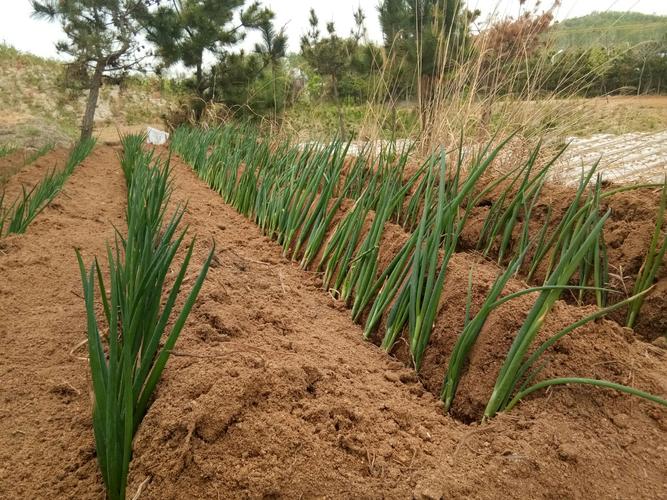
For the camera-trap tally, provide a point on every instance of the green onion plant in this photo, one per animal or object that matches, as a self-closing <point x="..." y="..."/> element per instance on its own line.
<point x="294" y="193"/>
<point x="31" y="202"/>
<point x="39" y="152"/>
<point x="139" y="315"/>
<point x="580" y="243"/>
<point x="6" y="149"/>
<point x="652" y="262"/>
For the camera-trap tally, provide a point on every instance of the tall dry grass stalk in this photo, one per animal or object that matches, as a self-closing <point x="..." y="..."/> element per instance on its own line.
<point x="506" y="80"/>
<point x="498" y="88"/>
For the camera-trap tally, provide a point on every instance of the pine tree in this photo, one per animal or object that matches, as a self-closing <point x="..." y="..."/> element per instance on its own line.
<point x="184" y="30"/>
<point x="427" y="38"/>
<point x="101" y="35"/>
<point x="329" y="56"/>
<point x="272" y="49"/>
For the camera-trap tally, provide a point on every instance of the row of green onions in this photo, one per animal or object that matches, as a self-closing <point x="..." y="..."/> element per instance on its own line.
<point x="295" y="192"/>
<point x="130" y="343"/>
<point x="15" y="218"/>
<point x="518" y="203"/>
<point x="652" y="261"/>
<point x="575" y="247"/>
<point x="39" y="152"/>
<point x="6" y="149"/>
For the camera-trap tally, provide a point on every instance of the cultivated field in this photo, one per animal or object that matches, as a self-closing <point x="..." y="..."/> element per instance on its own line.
<point x="274" y="390"/>
<point x="632" y="157"/>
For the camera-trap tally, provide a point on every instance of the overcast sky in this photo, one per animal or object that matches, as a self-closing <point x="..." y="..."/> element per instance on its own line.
<point x="17" y="28"/>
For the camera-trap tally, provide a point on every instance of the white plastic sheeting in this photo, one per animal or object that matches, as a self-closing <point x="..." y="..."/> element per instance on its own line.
<point x="155" y="136"/>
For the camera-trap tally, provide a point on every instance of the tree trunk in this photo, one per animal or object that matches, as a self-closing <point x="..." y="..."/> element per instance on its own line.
<point x="91" y="104"/>
<point x="199" y="83"/>
<point x="641" y="75"/>
<point x="275" y="99"/>
<point x="341" y="121"/>
<point x="199" y="76"/>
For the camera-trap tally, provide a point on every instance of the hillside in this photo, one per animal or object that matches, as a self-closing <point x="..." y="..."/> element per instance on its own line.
<point x="37" y="109"/>
<point x="609" y="29"/>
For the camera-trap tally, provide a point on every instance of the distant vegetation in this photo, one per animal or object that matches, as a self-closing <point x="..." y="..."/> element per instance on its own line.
<point x="430" y="76"/>
<point x="609" y="29"/>
<point x="609" y="53"/>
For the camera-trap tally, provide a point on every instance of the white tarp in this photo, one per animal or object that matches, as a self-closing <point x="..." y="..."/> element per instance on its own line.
<point x="155" y="136"/>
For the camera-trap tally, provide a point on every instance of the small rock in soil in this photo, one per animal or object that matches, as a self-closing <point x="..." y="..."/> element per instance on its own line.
<point x="661" y="342"/>
<point x="426" y="492"/>
<point x="621" y="420"/>
<point x="567" y="453"/>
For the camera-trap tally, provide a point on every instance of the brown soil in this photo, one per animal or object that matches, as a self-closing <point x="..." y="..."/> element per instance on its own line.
<point x="10" y="164"/>
<point x="14" y="173"/>
<point x="273" y="393"/>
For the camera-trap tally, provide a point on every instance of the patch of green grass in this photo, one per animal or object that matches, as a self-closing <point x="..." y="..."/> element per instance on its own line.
<point x="6" y="149"/>
<point x="321" y="120"/>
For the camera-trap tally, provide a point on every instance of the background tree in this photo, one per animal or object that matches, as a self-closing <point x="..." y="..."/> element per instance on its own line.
<point x="358" y="31"/>
<point x="505" y="48"/>
<point x="329" y="56"/>
<point x="364" y="60"/>
<point x="509" y="42"/>
<point x="184" y="30"/>
<point x="427" y="38"/>
<point x="272" y="49"/>
<point x="101" y="35"/>
<point x="233" y="83"/>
